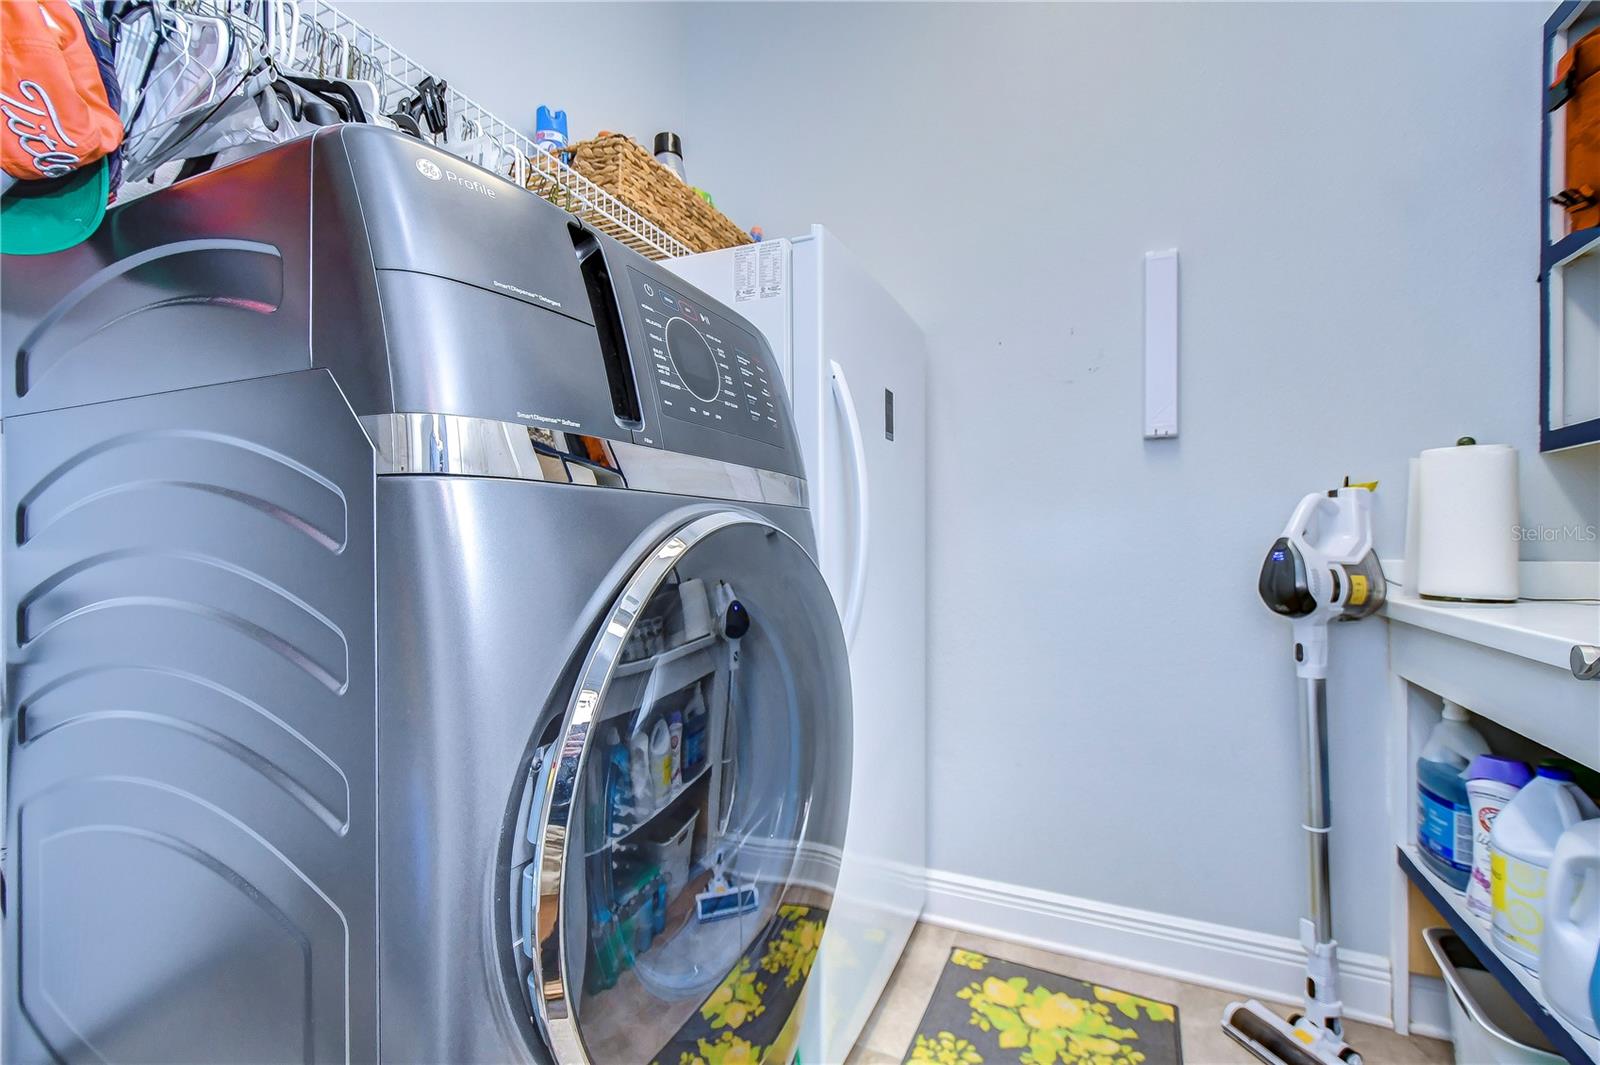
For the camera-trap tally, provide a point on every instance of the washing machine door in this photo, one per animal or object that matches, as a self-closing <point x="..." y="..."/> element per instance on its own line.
<point x="687" y="821"/>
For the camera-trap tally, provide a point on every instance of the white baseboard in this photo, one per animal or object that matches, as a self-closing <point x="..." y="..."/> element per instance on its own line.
<point x="1430" y="1007"/>
<point x="1264" y="966"/>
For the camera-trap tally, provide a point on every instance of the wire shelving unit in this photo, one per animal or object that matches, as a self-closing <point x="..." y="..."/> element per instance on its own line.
<point x="335" y="44"/>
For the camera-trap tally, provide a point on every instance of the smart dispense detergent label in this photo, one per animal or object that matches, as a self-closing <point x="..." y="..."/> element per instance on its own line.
<point x="1444" y="829"/>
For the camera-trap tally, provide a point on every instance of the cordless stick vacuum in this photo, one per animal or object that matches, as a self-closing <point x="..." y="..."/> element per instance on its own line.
<point x="1322" y="569"/>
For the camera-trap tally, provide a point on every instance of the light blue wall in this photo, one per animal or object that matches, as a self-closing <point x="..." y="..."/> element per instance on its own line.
<point x="1353" y="188"/>
<point x="1354" y="191"/>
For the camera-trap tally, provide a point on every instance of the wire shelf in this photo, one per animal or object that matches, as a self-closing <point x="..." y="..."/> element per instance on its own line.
<point x="335" y="45"/>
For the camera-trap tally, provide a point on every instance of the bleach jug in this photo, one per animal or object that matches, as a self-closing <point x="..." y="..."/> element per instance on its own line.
<point x="1444" y="810"/>
<point x="1572" y="930"/>
<point x="1521" y="847"/>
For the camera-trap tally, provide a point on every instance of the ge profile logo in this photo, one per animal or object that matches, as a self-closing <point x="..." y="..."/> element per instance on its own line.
<point x="429" y="169"/>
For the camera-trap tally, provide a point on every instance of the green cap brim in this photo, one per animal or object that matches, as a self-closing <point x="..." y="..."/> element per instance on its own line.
<point x="41" y="217"/>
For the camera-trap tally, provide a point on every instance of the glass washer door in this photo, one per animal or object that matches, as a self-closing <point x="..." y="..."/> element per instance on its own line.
<point x="691" y="811"/>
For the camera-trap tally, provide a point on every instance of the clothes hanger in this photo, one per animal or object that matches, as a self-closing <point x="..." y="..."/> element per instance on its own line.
<point x="224" y="100"/>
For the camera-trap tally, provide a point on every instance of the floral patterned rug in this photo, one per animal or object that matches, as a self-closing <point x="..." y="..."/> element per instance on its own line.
<point x="749" y="1012"/>
<point x="986" y="1011"/>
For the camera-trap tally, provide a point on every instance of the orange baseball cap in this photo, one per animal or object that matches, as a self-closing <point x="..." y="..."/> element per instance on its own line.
<point x="57" y="117"/>
<point x="59" y="128"/>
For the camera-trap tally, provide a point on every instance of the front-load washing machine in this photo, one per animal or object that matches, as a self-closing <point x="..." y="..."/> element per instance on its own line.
<point x="413" y="646"/>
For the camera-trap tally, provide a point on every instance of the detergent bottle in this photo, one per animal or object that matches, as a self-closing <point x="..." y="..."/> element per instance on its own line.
<point x="1444" y="810"/>
<point x="1567" y="971"/>
<point x="619" y="784"/>
<point x="1521" y="847"/>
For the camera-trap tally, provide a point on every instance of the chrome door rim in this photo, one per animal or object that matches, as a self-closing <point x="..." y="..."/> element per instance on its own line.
<point x="562" y="770"/>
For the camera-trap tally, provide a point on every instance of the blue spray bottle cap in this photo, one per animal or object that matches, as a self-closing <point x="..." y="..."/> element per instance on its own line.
<point x="550" y="128"/>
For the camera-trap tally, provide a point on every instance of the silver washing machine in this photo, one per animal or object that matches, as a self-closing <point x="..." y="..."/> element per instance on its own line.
<point x="413" y="646"/>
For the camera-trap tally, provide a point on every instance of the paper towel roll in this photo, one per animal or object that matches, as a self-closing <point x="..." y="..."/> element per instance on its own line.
<point x="1467" y="516"/>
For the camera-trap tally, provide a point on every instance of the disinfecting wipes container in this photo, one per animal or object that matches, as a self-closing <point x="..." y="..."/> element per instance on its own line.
<point x="1521" y="845"/>
<point x="1492" y="782"/>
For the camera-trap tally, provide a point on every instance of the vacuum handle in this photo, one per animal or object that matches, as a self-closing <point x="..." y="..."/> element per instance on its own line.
<point x="1345" y="526"/>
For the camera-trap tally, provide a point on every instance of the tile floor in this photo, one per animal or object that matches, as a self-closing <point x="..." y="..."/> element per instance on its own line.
<point x="890" y="1028"/>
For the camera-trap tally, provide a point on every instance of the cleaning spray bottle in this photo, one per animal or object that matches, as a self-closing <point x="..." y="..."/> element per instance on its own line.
<point x="1444" y="810"/>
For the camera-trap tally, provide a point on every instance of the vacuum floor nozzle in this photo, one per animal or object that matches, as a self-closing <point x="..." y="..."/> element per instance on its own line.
<point x="1275" y="1041"/>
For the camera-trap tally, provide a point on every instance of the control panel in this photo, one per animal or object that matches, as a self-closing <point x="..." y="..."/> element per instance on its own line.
<point x="708" y="371"/>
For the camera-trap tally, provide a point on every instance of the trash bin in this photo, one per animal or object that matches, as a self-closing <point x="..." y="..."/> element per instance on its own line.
<point x="1486" y="1024"/>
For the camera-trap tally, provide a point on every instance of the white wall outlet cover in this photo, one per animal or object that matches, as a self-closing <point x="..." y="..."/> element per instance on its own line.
<point x="1161" y="344"/>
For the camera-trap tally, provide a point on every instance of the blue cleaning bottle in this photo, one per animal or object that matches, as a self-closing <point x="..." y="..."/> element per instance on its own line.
<point x="1594" y="986"/>
<point x="550" y="130"/>
<point x="619" y="784"/>
<point x="1444" y="811"/>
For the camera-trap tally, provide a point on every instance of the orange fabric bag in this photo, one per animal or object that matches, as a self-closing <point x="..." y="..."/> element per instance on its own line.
<point x="1577" y="88"/>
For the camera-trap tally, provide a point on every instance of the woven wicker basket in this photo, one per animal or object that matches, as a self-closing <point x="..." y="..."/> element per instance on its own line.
<point x="631" y="174"/>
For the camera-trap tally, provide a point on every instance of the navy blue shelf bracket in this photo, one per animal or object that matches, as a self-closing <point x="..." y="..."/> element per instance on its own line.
<point x="1559" y="1037"/>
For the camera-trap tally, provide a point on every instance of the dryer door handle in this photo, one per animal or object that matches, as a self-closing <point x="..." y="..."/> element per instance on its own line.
<point x="856" y="589"/>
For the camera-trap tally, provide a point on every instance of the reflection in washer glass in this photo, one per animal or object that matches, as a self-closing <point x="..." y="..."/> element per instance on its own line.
<point x="706" y="798"/>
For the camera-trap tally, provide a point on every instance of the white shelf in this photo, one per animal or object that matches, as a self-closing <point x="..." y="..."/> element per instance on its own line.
<point x="1543" y="632"/>
<point x="1485" y="942"/>
<point x="627" y="834"/>
<point x="671" y="654"/>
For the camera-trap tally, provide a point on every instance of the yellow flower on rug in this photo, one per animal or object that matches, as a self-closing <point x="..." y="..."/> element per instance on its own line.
<point x="736" y="1000"/>
<point x="728" y="1049"/>
<point x="970" y="959"/>
<point x="1130" y="1005"/>
<point x="1049" y="1026"/>
<point x="945" y="1049"/>
<point x="794" y="950"/>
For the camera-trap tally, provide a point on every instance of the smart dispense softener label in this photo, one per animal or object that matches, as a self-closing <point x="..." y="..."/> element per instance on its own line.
<point x="1445" y="829"/>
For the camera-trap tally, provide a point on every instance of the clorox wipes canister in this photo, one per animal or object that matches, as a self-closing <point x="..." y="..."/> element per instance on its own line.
<point x="1492" y="782"/>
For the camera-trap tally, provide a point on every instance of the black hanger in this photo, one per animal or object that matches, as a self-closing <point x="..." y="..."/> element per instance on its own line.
<point x="429" y="106"/>
<point x="337" y="93"/>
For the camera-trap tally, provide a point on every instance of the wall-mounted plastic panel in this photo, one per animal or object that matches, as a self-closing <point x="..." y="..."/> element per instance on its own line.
<point x="189" y="628"/>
